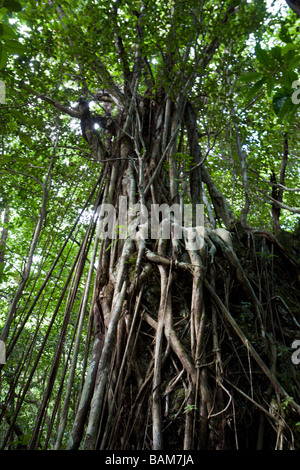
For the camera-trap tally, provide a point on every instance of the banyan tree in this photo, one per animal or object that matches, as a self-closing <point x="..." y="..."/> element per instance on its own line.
<point x="155" y="301"/>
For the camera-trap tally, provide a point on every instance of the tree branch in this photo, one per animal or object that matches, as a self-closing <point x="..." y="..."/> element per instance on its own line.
<point x="65" y="109"/>
<point x="294" y="5"/>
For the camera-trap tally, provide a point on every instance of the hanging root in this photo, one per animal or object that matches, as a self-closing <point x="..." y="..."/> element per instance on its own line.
<point x="184" y="353"/>
<point x="171" y="378"/>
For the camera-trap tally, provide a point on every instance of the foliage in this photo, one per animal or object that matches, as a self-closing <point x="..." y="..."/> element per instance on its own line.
<point x="236" y="65"/>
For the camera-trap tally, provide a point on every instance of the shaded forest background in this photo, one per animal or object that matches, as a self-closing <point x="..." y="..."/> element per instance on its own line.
<point x="149" y="344"/>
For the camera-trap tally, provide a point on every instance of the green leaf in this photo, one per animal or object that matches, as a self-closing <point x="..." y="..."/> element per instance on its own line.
<point x="12" y="159"/>
<point x="5" y="159"/>
<point x="284" y="35"/>
<point x="18" y="115"/>
<point x="287" y="108"/>
<point x="12" y="5"/>
<point x="249" y="77"/>
<point x="1" y="29"/>
<point x="8" y="32"/>
<point x="288" y="78"/>
<point x="270" y="85"/>
<point x="294" y="62"/>
<point x="282" y="104"/>
<point x="288" y="47"/>
<point x="262" y="55"/>
<point x="3" y="56"/>
<point x="14" y="47"/>
<point x="256" y="87"/>
<point x="276" y="52"/>
<point x="25" y="139"/>
<point x="278" y="101"/>
<point x="2" y="266"/>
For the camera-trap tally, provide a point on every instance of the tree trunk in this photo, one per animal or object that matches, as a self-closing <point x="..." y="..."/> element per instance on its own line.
<point x="147" y="260"/>
<point x="178" y="324"/>
<point x="277" y="189"/>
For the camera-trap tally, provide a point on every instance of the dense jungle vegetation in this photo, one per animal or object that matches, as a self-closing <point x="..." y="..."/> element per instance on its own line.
<point x="116" y="333"/>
